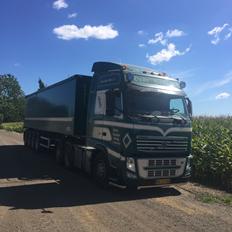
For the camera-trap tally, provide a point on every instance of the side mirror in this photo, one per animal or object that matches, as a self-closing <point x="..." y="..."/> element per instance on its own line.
<point x="182" y="84"/>
<point x="110" y="102"/>
<point x="189" y="107"/>
<point x="129" y="77"/>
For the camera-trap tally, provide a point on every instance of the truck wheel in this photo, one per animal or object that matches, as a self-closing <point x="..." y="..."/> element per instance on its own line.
<point x="25" y="138"/>
<point x="69" y="155"/>
<point x="37" y="142"/>
<point x="59" y="152"/>
<point x="101" y="171"/>
<point x="29" y="138"/>
<point x="33" y="138"/>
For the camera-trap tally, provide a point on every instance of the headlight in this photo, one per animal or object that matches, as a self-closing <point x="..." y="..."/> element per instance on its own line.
<point x="130" y="164"/>
<point x="189" y="162"/>
<point x="188" y="165"/>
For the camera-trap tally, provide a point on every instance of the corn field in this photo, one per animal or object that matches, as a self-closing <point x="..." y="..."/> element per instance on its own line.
<point x="212" y="151"/>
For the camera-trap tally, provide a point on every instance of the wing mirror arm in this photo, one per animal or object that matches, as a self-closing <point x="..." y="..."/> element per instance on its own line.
<point x="189" y="107"/>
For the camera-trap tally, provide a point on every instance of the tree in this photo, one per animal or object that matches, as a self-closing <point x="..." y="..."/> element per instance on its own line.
<point x="12" y="100"/>
<point x="41" y="84"/>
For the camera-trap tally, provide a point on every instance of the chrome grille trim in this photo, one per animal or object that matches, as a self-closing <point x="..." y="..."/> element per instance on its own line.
<point x="161" y="144"/>
<point x="161" y="168"/>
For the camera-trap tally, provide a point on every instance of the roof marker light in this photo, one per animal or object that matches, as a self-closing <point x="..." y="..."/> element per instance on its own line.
<point x="162" y="74"/>
<point x="124" y="67"/>
<point x="182" y="84"/>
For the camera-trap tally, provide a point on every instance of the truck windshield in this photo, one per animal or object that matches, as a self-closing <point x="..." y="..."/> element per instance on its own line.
<point x="155" y="104"/>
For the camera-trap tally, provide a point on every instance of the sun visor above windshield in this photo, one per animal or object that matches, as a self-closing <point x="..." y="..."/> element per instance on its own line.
<point x="100" y="67"/>
<point x="167" y="90"/>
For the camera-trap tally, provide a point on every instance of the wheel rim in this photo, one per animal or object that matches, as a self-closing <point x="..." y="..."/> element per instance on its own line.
<point x="33" y="140"/>
<point x="68" y="155"/>
<point x="37" y="143"/>
<point x="66" y="160"/>
<point x="58" y="154"/>
<point x="101" y="170"/>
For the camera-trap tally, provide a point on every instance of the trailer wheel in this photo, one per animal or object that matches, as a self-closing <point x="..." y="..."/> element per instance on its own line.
<point x="37" y="142"/>
<point x="32" y="140"/>
<point x="68" y="155"/>
<point x="101" y="171"/>
<point x="29" y="138"/>
<point x="59" y="152"/>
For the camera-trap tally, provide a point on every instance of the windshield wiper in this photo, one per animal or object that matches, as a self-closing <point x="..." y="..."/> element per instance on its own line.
<point x="178" y="117"/>
<point x="147" y="116"/>
<point x="152" y="116"/>
<point x="175" y="117"/>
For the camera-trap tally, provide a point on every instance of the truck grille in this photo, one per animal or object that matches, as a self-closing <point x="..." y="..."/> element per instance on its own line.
<point x="161" y="168"/>
<point x="161" y="173"/>
<point x="161" y="144"/>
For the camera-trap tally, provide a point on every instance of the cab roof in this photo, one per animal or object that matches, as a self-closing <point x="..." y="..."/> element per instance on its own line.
<point x="101" y="66"/>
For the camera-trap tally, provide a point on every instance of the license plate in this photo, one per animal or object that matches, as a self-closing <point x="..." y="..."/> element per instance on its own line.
<point x="163" y="181"/>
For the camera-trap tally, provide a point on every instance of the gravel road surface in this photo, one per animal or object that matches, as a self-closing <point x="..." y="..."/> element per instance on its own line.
<point x="38" y="195"/>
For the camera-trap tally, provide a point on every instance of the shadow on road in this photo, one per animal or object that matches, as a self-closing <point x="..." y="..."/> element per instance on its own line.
<point x="69" y="189"/>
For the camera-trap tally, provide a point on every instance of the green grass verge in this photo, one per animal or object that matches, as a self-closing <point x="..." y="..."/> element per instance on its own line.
<point x="12" y="126"/>
<point x="209" y="198"/>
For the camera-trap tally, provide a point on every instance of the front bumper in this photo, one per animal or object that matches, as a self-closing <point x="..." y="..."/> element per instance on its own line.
<point x="153" y="182"/>
<point x="137" y="179"/>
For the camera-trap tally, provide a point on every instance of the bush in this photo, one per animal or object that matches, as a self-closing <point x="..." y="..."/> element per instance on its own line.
<point x="212" y="151"/>
<point x="12" y="126"/>
<point x="1" y="118"/>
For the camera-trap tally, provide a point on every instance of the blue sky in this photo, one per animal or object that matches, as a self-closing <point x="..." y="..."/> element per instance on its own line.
<point x="191" y="40"/>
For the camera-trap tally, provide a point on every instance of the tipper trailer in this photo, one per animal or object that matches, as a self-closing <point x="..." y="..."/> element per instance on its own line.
<point x="127" y="126"/>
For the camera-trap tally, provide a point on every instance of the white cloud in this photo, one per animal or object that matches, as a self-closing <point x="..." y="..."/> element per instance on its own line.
<point x="73" y="15"/>
<point x="68" y="32"/>
<point x="215" y="84"/>
<point x="140" y="32"/>
<point x="226" y="80"/>
<point x="215" y="32"/>
<point x="223" y="95"/>
<point x="174" y="33"/>
<point x="166" y="54"/>
<point x="59" y="4"/>
<point x="228" y="35"/>
<point x="17" y="64"/>
<point x="163" y="38"/>
<point x="159" y="38"/>
<point x="142" y="45"/>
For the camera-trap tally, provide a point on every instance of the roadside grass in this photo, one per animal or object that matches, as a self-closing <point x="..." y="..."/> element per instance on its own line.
<point x="210" y="199"/>
<point x="12" y="126"/>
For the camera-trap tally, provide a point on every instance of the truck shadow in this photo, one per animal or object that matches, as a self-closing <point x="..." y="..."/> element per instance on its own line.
<point x="33" y="181"/>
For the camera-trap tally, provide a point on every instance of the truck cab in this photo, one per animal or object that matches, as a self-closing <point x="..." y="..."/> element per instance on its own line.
<point x="140" y="121"/>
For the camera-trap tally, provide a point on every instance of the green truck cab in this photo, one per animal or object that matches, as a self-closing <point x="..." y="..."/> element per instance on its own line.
<point x="128" y="126"/>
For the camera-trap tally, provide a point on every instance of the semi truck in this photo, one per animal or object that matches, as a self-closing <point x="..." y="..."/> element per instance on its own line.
<point x="126" y="126"/>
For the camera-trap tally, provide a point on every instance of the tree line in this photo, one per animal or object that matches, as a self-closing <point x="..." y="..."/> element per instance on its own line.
<point x="12" y="99"/>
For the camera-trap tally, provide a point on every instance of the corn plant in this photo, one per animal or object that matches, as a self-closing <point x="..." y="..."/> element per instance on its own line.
<point x="212" y="150"/>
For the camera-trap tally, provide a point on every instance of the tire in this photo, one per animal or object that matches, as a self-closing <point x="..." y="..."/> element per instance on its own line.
<point x="37" y="142"/>
<point x="33" y="137"/>
<point x="59" y="152"/>
<point x="29" y="139"/>
<point x="25" y="138"/>
<point x="68" y="155"/>
<point x="101" y="171"/>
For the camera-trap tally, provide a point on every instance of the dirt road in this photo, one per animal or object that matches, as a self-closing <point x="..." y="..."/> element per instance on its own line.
<point x="38" y="195"/>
